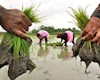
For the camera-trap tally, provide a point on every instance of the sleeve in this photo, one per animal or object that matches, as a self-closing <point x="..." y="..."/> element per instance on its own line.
<point x="96" y="13"/>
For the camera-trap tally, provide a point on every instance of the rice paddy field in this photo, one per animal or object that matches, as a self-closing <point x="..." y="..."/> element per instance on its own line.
<point x="55" y="63"/>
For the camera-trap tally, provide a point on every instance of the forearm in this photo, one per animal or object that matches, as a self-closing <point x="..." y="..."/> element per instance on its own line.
<point x="96" y="13"/>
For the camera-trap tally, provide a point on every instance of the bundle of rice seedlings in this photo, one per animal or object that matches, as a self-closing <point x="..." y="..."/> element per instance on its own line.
<point x="86" y="50"/>
<point x="15" y="50"/>
<point x="80" y="17"/>
<point x="54" y="44"/>
<point x="31" y="13"/>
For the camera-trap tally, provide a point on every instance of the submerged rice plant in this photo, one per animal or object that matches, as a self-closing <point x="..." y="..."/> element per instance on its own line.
<point x="54" y="44"/>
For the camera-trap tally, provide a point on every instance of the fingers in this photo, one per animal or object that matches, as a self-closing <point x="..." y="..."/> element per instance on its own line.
<point x="23" y="30"/>
<point x="96" y="38"/>
<point x="87" y="28"/>
<point x="26" y="20"/>
<point x="20" y="33"/>
<point x="21" y="18"/>
<point x="22" y="24"/>
<point x="93" y="22"/>
<point x="94" y="35"/>
<point x="25" y="23"/>
<point x="90" y="34"/>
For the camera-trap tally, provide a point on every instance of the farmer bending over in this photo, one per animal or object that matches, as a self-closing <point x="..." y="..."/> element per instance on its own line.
<point x="92" y="29"/>
<point x="43" y="34"/>
<point x="14" y="21"/>
<point x="67" y="36"/>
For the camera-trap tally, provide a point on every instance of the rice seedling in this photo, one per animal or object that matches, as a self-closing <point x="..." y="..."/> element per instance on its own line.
<point x="86" y="50"/>
<point x="80" y="17"/>
<point x="31" y="13"/>
<point x="54" y="44"/>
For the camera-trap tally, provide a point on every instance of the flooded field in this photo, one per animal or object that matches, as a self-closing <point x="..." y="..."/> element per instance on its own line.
<point x="55" y="63"/>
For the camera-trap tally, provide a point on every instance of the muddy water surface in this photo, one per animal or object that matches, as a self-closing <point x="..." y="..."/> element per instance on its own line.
<point x="55" y="63"/>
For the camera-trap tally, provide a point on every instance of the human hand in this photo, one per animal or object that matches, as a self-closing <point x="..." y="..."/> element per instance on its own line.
<point x="92" y="30"/>
<point x="15" y="21"/>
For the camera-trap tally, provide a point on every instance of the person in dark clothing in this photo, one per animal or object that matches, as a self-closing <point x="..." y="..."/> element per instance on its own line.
<point x="63" y="37"/>
<point x="67" y="36"/>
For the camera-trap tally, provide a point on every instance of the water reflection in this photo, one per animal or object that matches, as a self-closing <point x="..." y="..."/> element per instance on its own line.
<point x="66" y="53"/>
<point x="43" y="51"/>
<point x="62" y="52"/>
<point x="52" y="65"/>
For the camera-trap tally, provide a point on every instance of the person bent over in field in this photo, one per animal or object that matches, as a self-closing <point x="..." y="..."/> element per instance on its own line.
<point x="42" y="34"/>
<point x="67" y="36"/>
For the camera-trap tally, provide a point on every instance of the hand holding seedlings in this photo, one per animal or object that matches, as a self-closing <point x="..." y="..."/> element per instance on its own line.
<point x="15" y="45"/>
<point x="87" y="51"/>
<point x="92" y="29"/>
<point x="14" y="21"/>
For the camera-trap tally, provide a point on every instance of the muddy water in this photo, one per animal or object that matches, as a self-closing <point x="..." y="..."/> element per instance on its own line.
<point x="55" y="63"/>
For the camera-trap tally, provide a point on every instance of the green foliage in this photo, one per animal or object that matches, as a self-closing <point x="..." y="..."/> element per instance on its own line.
<point x="54" y="31"/>
<point x="25" y="46"/>
<point x="31" y="13"/>
<point x="34" y="31"/>
<point x="80" y="17"/>
<point x="18" y="44"/>
<point x="54" y="44"/>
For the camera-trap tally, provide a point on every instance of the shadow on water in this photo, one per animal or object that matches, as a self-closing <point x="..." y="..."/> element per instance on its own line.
<point x="61" y="52"/>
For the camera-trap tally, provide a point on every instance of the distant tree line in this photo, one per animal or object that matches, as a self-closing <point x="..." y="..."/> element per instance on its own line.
<point x="54" y="31"/>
